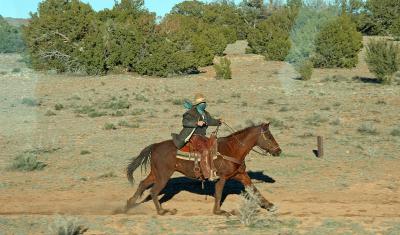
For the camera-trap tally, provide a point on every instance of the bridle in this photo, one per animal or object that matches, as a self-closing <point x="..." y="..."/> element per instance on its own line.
<point x="262" y="151"/>
<point x="269" y="144"/>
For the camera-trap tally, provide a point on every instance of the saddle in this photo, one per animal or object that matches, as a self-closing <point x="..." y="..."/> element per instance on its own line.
<point x="204" y="150"/>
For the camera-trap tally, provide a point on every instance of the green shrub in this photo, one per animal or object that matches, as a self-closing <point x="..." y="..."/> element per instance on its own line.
<point x="84" y="152"/>
<point x="223" y="69"/>
<point x="69" y="36"/>
<point x="284" y="109"/>
<point x="316" y="120"/>
<point x="337" y="44"/>
<point x="217" y="13"/>
<point x="127" y="29"/>
<point x="335" y="122"/>
<point x="116" y="104"/>
<point x="58" y="106"/>
<point x="305" y="69"/>
<point x="196" y="40"/>
<point x="271" y="37"/>
<point x="95" y="113"/>
<point x="395" y="131"/>
<point x="10" y="38"/>
<point x="383" y="59"/>
<point x="166" y="59"/>
<point x="140" y="97"/>
<point x="57" y="33"/>
<point x="118" y="113"/>
<point x="27" y="162"/>
<point x="136" y="112"/>
<point x="109" y="126"/>
<point x="269" y="40"/>
<point x="395" y="29"/>
<point x="380" y="16"/>
<point x="236" y="95"/>
<point x="86" y="109"/>
<point x="90" y="111"/>
<point x="30" y="101"/>
<point x="16" y="70"/>
<point x="124" y="123"/>
<point x="367" y="128"/>
<point x="50" y="113"/>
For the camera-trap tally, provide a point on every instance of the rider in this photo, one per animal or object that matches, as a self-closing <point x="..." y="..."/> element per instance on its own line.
<point x="195" y="121"/>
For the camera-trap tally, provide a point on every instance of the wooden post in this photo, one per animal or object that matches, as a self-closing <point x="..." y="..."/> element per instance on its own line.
<point x="320" y="146"/>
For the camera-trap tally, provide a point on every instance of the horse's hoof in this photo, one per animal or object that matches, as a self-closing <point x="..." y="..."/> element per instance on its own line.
<point x="234" y="212"/>
<point x="272" y="208"/>
<point x="130" y="206"/>
<point x="222" y="212"/>
<point x="162" y="212"/>
<point x="172" y="212"/>
<point x="122" y="210"/>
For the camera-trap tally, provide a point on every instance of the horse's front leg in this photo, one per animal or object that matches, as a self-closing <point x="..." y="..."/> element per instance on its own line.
<point x="244" y="178"/>
<point x="219" y="187"/>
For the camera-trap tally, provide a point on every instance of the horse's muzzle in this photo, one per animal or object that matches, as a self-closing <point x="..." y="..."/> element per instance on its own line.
<point x="277" y="152"/>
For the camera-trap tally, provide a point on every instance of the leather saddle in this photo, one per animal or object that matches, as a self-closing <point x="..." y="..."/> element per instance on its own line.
<point x="204" y="150"/>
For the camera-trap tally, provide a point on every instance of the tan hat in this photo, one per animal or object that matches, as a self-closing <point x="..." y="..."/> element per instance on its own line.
<point x="199" y="98"/>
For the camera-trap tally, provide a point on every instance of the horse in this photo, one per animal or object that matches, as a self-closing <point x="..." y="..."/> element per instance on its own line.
<point x="229" y="164"/>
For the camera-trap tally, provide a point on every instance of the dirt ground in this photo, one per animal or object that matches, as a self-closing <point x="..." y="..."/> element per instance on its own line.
<point x="105" y="121"/>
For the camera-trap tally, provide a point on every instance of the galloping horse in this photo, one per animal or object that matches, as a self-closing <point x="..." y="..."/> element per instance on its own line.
<point x="232" y="151"/>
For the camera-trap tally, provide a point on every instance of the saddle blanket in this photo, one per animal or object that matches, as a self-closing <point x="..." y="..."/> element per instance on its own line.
<point x="186" y="156"/>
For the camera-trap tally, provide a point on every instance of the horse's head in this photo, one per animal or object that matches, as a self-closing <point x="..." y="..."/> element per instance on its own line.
<point x="267" y="142"/>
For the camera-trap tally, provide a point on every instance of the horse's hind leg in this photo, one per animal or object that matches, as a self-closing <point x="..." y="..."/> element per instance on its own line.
<point x="144" y="184"/>
<point x="156" y="189"/>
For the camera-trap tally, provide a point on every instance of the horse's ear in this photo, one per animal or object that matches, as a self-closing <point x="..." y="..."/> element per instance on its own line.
<point x="265" y="125"/>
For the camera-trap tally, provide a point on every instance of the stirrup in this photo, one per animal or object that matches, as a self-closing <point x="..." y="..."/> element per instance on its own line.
<point x="213" y="175"/>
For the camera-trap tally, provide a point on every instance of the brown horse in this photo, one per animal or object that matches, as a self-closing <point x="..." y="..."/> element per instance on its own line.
<point x="229" y="164"/>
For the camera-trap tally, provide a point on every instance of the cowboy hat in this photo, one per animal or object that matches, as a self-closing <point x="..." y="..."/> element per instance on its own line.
<point x="199" y="98"/>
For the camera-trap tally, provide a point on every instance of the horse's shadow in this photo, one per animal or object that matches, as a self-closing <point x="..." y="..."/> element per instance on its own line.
<point x="179" y="184"/>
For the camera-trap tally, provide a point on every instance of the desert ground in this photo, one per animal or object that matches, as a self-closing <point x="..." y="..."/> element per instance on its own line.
<point x="86" y="130"/>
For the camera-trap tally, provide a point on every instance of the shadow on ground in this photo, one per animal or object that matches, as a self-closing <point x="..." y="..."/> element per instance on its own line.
<point x="366" y="80"/>
<point x="179" y="184"/>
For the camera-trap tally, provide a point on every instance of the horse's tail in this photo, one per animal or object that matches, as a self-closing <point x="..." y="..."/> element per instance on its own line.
<point x="142" y="160"/>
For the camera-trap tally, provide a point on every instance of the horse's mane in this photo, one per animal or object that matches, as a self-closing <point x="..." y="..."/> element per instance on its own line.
<point x="240" y="131"/>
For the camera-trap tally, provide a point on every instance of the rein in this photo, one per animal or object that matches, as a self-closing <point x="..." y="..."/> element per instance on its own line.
<point x="231" y="159"/>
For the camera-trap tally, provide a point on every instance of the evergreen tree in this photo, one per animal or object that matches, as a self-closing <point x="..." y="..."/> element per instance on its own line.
<point x="10" y="38"/>
<point x="380" y="16"/>
<point x="56" y="35"/>
<point x="338" y="44"/>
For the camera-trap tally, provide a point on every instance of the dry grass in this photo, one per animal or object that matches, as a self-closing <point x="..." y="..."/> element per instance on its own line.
<point x="67" y="226"/>
<point x="357" y="178"/>
<point x="249" y="207"/>
<point x="27" y="162"/>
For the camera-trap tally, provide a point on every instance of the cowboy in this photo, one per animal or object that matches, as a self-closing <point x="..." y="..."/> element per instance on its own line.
<point x="195" y="121"/>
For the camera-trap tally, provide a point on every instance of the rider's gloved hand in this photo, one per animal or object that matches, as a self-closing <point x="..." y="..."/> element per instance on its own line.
<point x="201" y="123"/>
